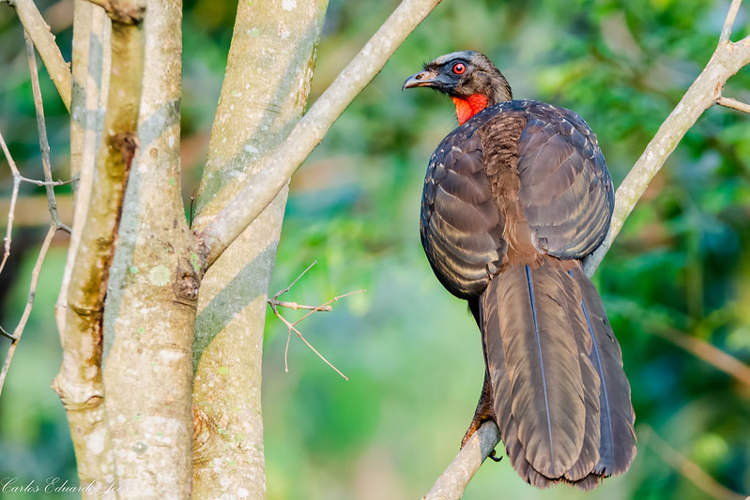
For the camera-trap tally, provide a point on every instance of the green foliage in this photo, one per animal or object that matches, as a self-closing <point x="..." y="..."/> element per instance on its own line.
<point x="411" y="350"/>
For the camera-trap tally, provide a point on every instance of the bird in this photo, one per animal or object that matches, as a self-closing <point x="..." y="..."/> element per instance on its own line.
<point x="514" y="199"/>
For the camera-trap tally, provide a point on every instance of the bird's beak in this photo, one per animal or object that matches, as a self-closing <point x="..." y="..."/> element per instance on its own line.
<point x="426" y="78"/>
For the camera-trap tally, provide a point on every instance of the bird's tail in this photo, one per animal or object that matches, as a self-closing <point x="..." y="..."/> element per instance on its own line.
<point x="560" y="395"/>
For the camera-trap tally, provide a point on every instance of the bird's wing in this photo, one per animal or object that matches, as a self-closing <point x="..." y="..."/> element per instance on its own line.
<point x="565" y="189"/>
<point x="460" y="225"/>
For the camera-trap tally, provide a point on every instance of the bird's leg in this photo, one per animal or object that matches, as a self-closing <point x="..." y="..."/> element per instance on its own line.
<point x="483" y="413"/>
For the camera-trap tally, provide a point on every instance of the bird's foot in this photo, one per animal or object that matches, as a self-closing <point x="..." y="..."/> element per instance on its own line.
<point x="475" y="423"/>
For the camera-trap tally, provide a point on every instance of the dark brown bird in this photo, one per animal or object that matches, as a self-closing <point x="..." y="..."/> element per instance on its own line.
<point x="513" y="199"/>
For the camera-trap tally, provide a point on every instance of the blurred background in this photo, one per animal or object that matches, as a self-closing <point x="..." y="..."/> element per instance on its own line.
<point x="679" y="272"/>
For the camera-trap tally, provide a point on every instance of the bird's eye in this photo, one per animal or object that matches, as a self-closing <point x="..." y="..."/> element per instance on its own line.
<point x="459" y="68"/>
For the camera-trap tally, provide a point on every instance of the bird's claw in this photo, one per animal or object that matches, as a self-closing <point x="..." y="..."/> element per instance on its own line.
<point x="492" y="456"/>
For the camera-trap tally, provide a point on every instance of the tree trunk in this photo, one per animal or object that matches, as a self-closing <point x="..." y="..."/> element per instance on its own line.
<point x="265" y="89"/>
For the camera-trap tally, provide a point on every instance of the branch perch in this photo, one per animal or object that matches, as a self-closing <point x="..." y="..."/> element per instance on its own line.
<point x="728" y="58"/>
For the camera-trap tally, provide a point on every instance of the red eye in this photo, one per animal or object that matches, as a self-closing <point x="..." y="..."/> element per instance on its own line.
<point x="459" y="68"/>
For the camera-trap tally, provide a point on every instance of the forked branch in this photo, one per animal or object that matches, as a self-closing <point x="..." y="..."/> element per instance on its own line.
<point x="55" y="224"/>
<point x="275" y="304"/>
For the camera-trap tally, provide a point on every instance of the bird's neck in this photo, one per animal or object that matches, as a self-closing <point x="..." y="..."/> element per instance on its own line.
<point x="498" y="91"/>
<point x="466" y="108"/>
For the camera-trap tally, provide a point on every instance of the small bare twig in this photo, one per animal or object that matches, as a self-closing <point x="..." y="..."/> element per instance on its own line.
<point x="13" y="200"/>
<point x="292" y="326"/>
<point x="6" y="334"/>
<point x="294" y="282"/>
<point x="37" y="182"/>
<point x="41" y="125"/>
<point x="690" y="470"/>
<point x="294" y="306"/>
<point x="728" y="102"/>
<point x="55" y="224"/>
<point x="18" y="331"/>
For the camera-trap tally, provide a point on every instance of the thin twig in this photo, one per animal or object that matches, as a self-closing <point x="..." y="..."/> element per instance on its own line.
<point x="11" y="217"/>
<point x="323" y="306"/>
<point x="13" y="200"/>
<point x="294" y="306"/>
<point x="292" y="326"/>
<point x="290" y="285"/>
<point x="690" y="470"/>
<point x="726" y="31"/>
<point x="37" y="182"/>
<point x="41" y="125"/>
<point x="6" y="334"/>
<point x="18" y="331"/>
<point x="733" y="103"/>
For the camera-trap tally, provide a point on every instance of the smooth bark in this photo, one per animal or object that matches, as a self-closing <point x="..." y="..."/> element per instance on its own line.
<point x="79" y="381"/>
<point x="265" y="88"/>
<point x="150" y="305"/>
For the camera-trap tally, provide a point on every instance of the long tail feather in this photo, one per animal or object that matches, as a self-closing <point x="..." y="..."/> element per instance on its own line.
<point x="542" y="365"/>
<point x="495" y="360"/>
<point x="560" y="397"/>
<point x="617" y="448"/>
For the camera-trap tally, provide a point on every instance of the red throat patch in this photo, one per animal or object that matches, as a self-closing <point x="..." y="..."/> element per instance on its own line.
<point x="466" y="108"/>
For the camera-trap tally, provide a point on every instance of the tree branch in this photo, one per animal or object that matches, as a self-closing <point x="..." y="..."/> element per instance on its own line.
<point x="707" y="352"/>
<point x="733" y="104"/>
<point x="13" y="200"/>
<point x="44" y="41"/>
<point x="273" y="173"/>
<point x="91" y="68"/>
<point x="726" y="30"/>
<point x="254" y="115"/>
<point x="79" y="381"/>
<point x="42" y="131"/>
<point x="152" y="287"/>
<point x="727" y="59"/>
<point x="453" y="481"/>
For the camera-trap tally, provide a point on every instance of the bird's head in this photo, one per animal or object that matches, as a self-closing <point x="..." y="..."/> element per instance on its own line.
<point x="468" y="77"/>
